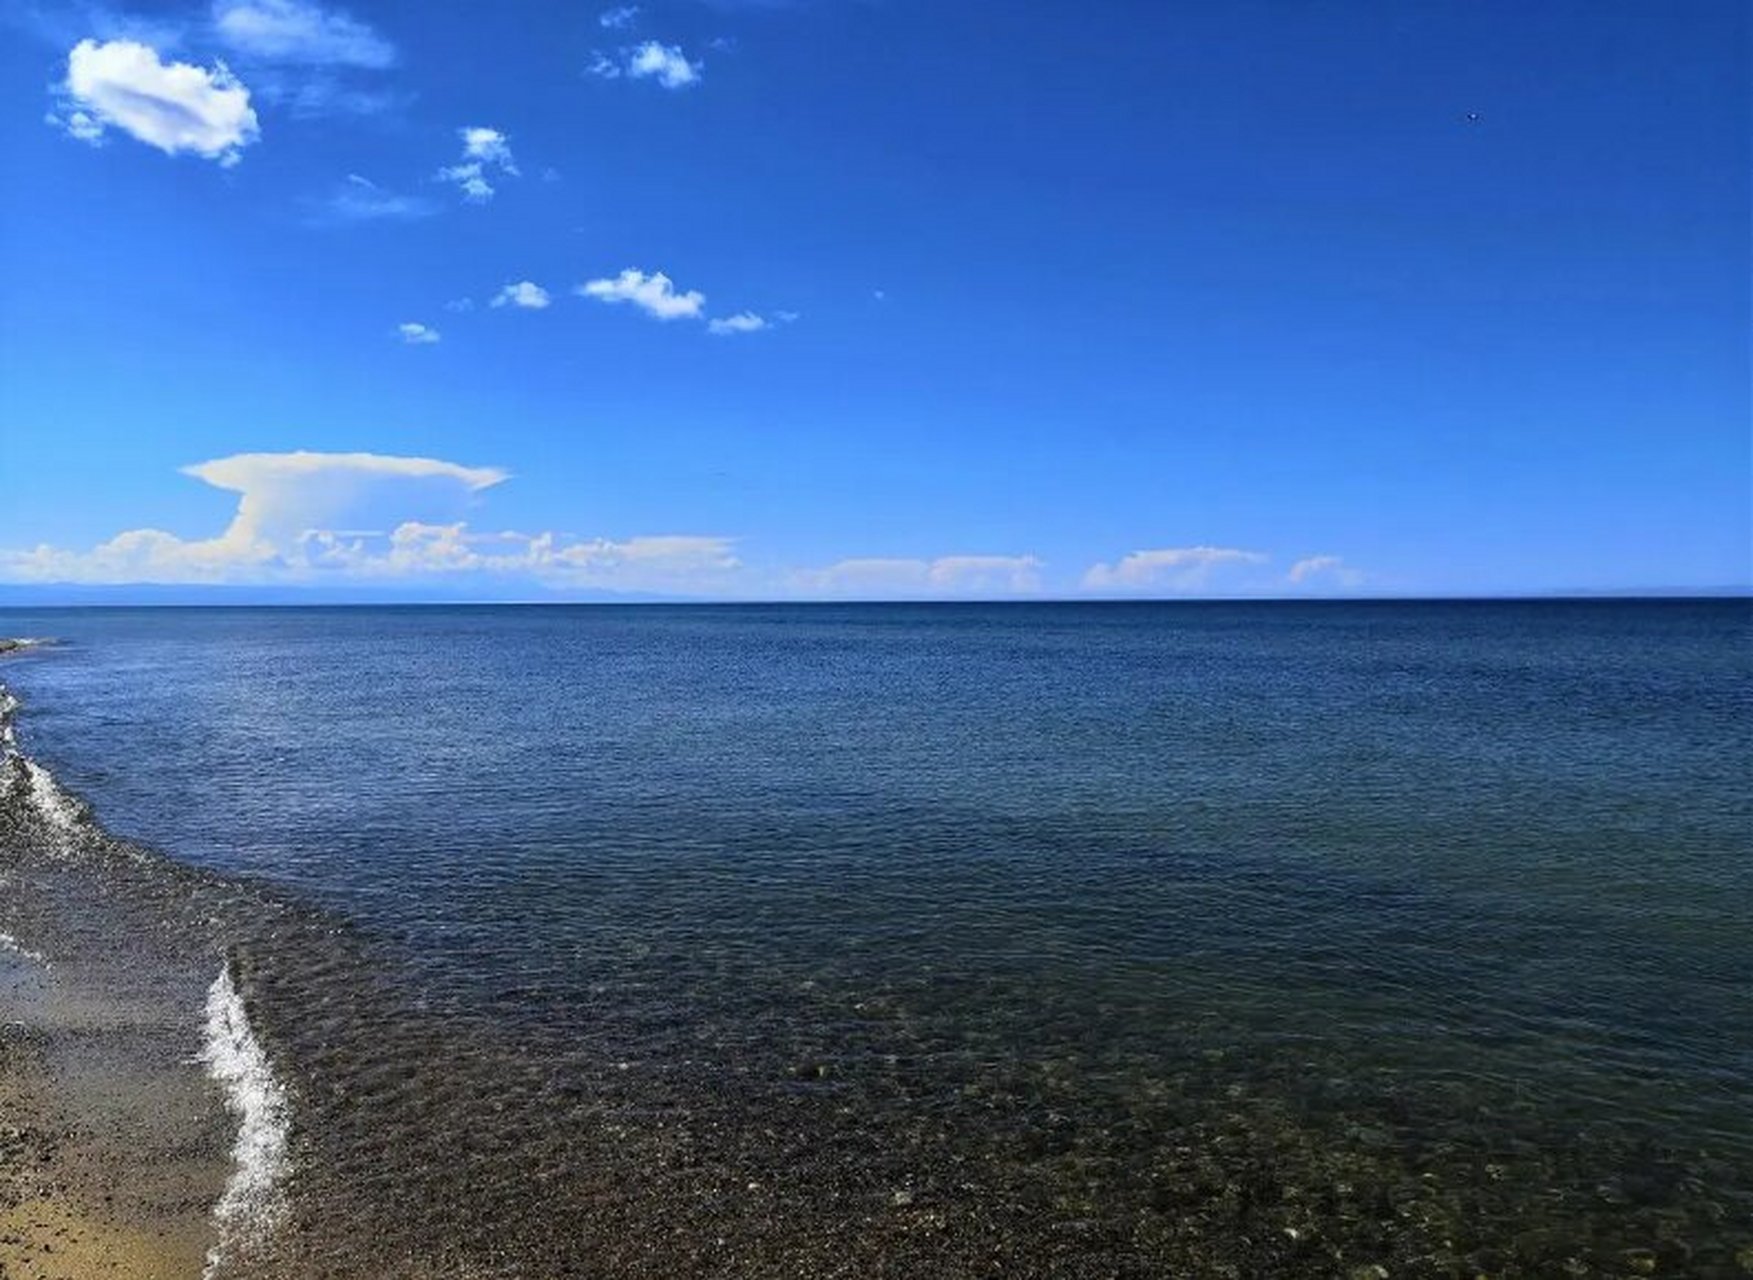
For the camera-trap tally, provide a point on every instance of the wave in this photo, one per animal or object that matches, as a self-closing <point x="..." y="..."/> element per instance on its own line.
<point x="252" y="1202"/>
<point x="61" y="816"/>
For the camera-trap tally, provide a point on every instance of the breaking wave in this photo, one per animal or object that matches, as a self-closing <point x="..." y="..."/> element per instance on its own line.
<point x="252" y="1202"/>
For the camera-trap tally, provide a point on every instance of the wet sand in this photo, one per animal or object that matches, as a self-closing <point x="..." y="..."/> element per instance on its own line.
<point x="112" y="1142"/>
<point x="114" y="1145"/>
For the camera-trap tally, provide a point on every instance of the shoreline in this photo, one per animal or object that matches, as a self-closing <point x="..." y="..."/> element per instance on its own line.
<point x="114" y="1141"/>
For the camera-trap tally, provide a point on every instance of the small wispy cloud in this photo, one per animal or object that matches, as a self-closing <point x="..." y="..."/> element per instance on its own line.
<point x="321" y="94"/>
<point x="1167" y="569"/>
<point x="485" y="151"/>
<point x="296" y="31"/>
<point x="619" y="18"/>
<point x="359" y="199"/>
<point x="741" y="322"/>
<point x="416" y="334"/>
<point x="654" y="294"/>
<point x="525" y="294"/>
<point x="664" y="63"/>
<point x="1313" y="569"/>
<point x="873" y="576"/>
<point x="174" y="106"/>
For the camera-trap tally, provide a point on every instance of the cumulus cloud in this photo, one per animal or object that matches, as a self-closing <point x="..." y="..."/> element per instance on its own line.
<point x="173" y="106"/>
<point x="298" y="32"/>
<point x="741" y="322"/>
<point x="946" y="575"/>
<point x="664" y="63"/>
<point x="1167" y="569"/>
<point x="1316" y="569"/>
<point x="485" y="151"/>
<point x="653" y="294"/>
<point x="416" y="335"/>
<point x="524" y="294"/>
<point x="619" y="18"/>
<point x="300" y="517"/>
<point x="482" y="143"/>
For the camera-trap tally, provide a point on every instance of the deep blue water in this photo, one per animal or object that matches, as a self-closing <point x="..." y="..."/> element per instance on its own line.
<point x="1393" y="877"/>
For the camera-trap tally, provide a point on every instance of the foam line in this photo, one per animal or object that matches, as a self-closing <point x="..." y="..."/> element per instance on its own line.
<point x="252" y="1202"/>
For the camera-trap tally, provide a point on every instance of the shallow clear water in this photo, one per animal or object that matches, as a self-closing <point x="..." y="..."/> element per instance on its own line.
<point x="1068" y="939"/>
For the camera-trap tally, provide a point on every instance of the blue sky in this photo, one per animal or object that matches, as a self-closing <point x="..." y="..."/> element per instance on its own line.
<point x="956" y="299"/>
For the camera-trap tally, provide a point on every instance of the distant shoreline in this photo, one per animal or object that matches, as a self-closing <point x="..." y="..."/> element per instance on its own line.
<point x="254" y="598"/>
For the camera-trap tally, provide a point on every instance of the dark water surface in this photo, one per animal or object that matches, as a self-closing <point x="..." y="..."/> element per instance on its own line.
<point x="1084" y="940"/>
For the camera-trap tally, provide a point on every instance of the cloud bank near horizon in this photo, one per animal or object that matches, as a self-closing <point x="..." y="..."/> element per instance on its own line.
<point x="306" y="518"/>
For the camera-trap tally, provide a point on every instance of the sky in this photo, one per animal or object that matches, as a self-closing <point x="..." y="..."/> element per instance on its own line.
<point x="751" y="299"/>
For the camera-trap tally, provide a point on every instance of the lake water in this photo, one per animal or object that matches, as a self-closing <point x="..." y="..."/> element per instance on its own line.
<point x="1408" y="939"/>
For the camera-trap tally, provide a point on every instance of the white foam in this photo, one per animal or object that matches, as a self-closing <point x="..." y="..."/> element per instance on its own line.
<point x="60" y="810"/>
<point x="9" y="706"/>
<point x="12" y="944"/>
<point x="252" y="1203"/>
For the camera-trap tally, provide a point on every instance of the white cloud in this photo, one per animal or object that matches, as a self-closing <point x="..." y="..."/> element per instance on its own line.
<point x="173" y="106"/>
<point x="653" y="294"/>
<point x="531" y="297"/>
<point x="946" y="575"/>
<point x="664" y="63"/>
<point x="1318" y="568"/>
<point x="300" y="517"/>
<point x="299" y="32"/>
<point x="619" y="18"/>
<point x="741" y="322"/>
<point x="415" y="334"/>
<point x="642" y="564"/>
<point x="484" y="151"/>
<point x="470" y="179"/>
<point x="359" y="199"/>
<point x="482" y="143"/>
<point x="281" y="496"/>
<point x="1167" y="569"/>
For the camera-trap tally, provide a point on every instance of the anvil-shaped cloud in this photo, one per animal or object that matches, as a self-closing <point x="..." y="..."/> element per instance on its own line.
<point x="304" y="517"/>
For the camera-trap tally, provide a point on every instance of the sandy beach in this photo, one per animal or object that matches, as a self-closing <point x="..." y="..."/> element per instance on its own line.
<point x="102" y="1167"/>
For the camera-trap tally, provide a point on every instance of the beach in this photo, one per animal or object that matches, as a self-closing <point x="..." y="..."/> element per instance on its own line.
<point x="107" y="1137"/>
<point x="114" y="1143"/>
